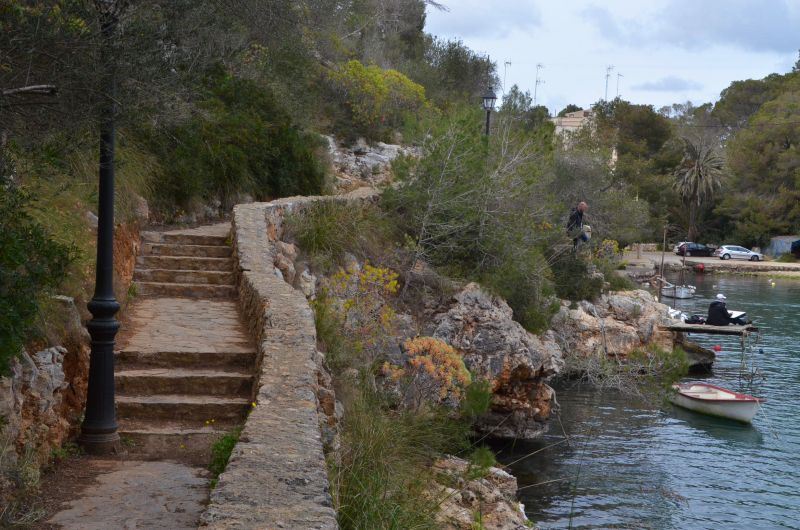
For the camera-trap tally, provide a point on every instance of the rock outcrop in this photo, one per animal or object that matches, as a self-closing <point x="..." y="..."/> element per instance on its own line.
<point x="488" y="501"/>
<point x="363" y="164"/>
<point x="615" y="325"/>
<point x="500" y="350"/>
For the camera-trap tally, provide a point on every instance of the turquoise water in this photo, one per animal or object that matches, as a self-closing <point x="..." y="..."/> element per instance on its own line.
<point x="637" y="465"/>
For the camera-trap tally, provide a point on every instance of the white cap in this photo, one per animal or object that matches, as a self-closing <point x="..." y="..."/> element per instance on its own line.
<point x="721" y="296"/>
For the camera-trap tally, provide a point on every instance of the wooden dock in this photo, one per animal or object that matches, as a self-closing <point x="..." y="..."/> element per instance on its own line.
<point x="740" y="331"/>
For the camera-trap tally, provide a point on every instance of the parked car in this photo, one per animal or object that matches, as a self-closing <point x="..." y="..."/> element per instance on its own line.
<point x="678" y="246"/>
<point x="737" y="252"/>
<point x="695" y="249"/>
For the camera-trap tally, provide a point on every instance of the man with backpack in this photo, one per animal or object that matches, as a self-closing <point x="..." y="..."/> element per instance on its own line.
<point x="575" y="226"/>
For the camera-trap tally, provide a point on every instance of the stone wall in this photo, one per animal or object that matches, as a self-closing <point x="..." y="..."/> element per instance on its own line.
<point x="276" y="477"/>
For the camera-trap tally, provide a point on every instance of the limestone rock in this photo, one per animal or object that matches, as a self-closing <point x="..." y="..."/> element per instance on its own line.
<point x="498" y="349"/>
<point x="286" y="267"/>
<point x="493" y="497"/>
<point x="92" y="219"/>
<point x="363" y="164"/>
<point x="141" y="209"/>
<point x="287" y="249"/>
<point x="616" y="324"/>
<point x="308" y="284"/>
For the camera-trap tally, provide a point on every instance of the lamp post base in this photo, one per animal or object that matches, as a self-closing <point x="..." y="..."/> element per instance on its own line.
<point x="100" y="444"/>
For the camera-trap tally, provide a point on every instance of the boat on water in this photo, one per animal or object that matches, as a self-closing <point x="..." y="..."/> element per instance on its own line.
<point x="677" y="291"/>
<point x="715" y="401"/>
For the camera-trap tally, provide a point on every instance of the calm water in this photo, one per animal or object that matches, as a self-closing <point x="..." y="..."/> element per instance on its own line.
<point x="634" y="465"/>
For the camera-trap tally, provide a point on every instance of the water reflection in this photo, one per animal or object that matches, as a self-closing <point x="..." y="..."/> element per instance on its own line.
<point x="739" y="435"/>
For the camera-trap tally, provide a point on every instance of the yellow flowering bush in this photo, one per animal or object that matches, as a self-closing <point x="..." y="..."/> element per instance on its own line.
<point x="434" y="372"/>
<point x="609" y="248"/>
<point x="377" y="99"/>
<point x="368" y="321"/>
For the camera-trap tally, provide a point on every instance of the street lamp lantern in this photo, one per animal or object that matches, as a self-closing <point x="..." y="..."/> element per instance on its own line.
<point x="489" y="97"/>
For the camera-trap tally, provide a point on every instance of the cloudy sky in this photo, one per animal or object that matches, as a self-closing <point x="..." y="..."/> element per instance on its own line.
<point x="667" y="51"/>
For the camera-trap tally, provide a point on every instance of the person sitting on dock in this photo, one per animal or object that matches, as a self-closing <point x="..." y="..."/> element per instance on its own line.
<point x="718" y="314"/>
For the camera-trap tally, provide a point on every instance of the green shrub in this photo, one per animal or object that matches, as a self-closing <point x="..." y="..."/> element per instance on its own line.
<point x="616" y="282"/>
<point x="31" y="265"/>
<point x="572" y="279"/>
<point x="242" y="142"/>
<point x="480" y="460"/>
<point x="786" y="258"/>
<point x="327" y="230"/>
<point x="526" y="285"/>
<point x="381" y="476"/>
<point x="477" y="398"/>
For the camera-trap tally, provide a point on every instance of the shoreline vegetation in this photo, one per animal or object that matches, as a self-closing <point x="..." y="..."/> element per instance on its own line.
<point x="414" y="405"/>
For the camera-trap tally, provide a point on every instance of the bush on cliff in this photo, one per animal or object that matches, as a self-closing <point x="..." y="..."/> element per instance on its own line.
<point x="242" y="142"/>
<point x="31" y="264"/>
<point x="475" y="208"/>
<point x="372" y="101"/>
<point x="381" y="472"/>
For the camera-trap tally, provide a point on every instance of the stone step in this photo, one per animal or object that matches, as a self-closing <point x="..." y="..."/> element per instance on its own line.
<point x="238" y="357"/>
<point x="185" y="442"/>
<point x="203" y="251"/>
<point x="183" y="239"/>
<point x="184" y="276"/>
<point x="182" y="407"/>
<point x="184" y="290"/>
<point x="183" y="263"/>
<point x="151" y="381"/>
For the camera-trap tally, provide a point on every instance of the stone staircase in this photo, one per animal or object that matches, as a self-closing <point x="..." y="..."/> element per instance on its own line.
<point x="184" y="369"/>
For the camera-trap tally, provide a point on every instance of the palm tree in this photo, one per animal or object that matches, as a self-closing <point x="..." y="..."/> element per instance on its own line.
<point x="697" y="178"/>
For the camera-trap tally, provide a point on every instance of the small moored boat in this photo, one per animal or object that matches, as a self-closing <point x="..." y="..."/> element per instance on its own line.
<point x="715" y="401"/>
<point x="677" y="291"/>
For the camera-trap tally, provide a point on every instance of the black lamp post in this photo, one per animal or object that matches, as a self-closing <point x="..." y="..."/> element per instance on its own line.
<point x="99" y="428"/>
<point x="489" y="98"/>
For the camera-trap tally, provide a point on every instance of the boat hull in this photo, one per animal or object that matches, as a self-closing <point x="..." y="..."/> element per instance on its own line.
<point x="739" y="407"/>
<point x="677" y="292"/>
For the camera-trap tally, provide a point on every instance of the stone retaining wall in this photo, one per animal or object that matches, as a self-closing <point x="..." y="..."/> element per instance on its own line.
<point x="276" y="477"/>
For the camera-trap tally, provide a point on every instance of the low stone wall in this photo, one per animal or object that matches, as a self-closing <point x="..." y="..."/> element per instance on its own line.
<point x="276" y="477"/>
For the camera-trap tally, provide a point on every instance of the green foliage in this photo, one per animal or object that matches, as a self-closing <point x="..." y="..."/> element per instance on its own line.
<point x="616" y="282"/>
<point x="31" y="265"/>
<point x="327" y="230"/>
<point x="329" y="322"/>
<point x="243" y="143"/>
<point x="377" y="100"/>
<point x="68" y="450"/>
<point x="763" y="158"/>
<point x="569" y="108"/>
<point x="480" y="460"/>
<point x="572" y="279"/>
<point x="221" y="453"/>
<point x="477" y="398"/>
<point x="787" y="258"/>
<point x="381" y="477"/>
<point x="526" y="284"/>
<point x="452" y="73"/>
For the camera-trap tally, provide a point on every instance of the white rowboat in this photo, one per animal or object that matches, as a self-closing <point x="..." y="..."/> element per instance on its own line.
<point x="715" y="401"/>
<point x="677" y="291"/>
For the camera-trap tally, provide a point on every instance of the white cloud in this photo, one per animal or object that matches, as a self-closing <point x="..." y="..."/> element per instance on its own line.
<point x="669" y="84"/>
<point x="482" y="19"/>
<point x="694" y="25"/>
